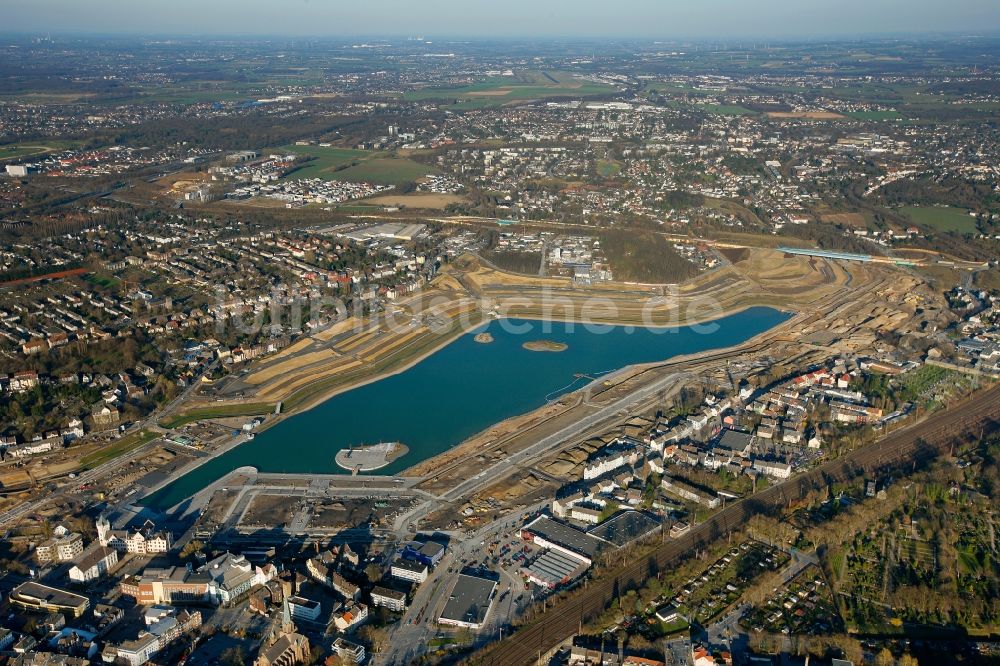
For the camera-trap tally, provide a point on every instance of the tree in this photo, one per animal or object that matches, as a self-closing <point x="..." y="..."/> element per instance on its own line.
<point x="377" y="637"/>
<point x="191" y="548"/>
<point x="233" y="657"/>
<point x="885" y="658"/>
<point x="850" y="647"/>
<point x="374" y="572"/>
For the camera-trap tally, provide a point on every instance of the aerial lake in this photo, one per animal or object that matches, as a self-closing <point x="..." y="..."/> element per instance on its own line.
<point x="460" y="390"/>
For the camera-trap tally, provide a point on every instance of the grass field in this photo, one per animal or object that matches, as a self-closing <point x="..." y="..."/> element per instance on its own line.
<point x="941" y="218"/>
<point x="326" y="160"/>
<point x="17" y="151"/>
<point x="247" y="409"/>
<point x="331" y="163"/>
<point x="725" y="109"/>
<point x="119" y="448"/>
<point x="608" y="168"/>
<point x="988" y="279"/>
<point x="385" y="171"/>
<point x="502" y="90"/>
<point x="101" y="280"/>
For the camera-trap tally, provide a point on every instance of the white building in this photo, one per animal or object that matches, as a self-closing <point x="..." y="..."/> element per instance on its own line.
<point x="688" y="492"/>
<point x="778" y="470"/>
<point x="350" y="653"/>
<point x="301" y="608"/>
<point x="139" y="651"/>
<point x="62" y="548"/>
<point x="391" y="599"/>
<point x="93" y="564"/>
<point x="144" y="541"/>
<point x="350" y="615"/>
<point x="585" y="514"/>
<point x="408" y="570"/>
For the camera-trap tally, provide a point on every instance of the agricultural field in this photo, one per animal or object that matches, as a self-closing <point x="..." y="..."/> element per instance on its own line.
<point x="940" y="218"/>
<point x="804" y="115"/>
<point x="430" y="201"/>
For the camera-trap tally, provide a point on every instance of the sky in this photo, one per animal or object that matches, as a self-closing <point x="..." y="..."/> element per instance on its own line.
<point x="664" y="19"/>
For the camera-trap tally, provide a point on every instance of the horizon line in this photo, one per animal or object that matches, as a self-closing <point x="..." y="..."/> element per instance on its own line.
<point x="482" y="38"/>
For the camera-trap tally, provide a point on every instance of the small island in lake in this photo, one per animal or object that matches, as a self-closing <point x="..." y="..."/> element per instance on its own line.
<point x="484" y="338"/>
<point x="369" y="458"/>
<point x="545" y="346"/>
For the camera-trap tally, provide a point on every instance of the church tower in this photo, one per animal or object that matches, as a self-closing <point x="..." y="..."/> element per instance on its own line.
<point x="103" y="529"/>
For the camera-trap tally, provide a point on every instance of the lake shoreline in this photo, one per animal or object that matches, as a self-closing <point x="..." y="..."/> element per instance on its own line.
<point x="446" y="341"/>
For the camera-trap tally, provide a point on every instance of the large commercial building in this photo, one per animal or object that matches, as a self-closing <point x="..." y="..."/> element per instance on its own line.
<point x="553" y="568"/>
<point x="470" y="602"/>
<point x="548" y="533"/>
<point x="429" y="553"/>
<point x="35" y="596"/>
<point x="220" y="582"/>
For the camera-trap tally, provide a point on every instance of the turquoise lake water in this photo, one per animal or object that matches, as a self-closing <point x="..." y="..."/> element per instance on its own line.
<point x="459" y="391"/>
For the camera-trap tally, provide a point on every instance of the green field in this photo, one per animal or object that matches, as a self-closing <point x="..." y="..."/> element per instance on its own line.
<point x="502" y="90"/>
<point x="104" y="281"/>
<point x="725" y="109"/>
<point x="119" y="448"/>
<point x="384" y="171"/>
<point x="347" y="164"/>
<point x="941" y="218"/>
<point x="247" y="409"/>
<point x="16" y="151"/>
<point x="325" y="160"/>
<point x="608" y="168"/>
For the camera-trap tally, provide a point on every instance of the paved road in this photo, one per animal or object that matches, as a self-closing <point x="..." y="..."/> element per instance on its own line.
<point x="726" y="633"/>
<point x="107" y="469"/>
<point x="410" y="637"/>
<point x="569" y="433"/>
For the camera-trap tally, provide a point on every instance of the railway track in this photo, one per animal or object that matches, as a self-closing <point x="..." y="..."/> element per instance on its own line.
<point x="900" y="450"/>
